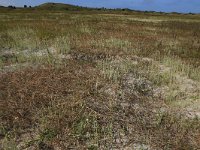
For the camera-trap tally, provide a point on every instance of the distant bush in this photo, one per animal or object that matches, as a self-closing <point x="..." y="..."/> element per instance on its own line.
<point x="12" y="7"/>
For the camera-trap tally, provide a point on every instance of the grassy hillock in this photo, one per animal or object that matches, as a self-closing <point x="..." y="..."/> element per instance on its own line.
<point x="59" y="7"/>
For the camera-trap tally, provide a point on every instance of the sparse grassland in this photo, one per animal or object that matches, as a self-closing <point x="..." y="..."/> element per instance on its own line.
<point x="99" y="80"/>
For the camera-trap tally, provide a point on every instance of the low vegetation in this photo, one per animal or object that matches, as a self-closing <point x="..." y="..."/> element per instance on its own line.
<point x="78" y="78"/>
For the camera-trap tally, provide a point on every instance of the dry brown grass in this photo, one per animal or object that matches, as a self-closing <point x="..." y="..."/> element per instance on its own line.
<point x="100" y="94"/>
<point x="69" y="107"/>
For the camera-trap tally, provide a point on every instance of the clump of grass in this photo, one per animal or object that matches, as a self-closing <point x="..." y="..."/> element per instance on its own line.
<point x="62" y="45"/>
<point x="178" y="66"/>
<point x="112" y="45"/>
<point x="117" y="43"/>
<point x="113" y="69"/>
<point x="154" y="73"/>
<point x="51" y="54"/>
<point x="85" y="29"/>
<point x="23" y="38"/>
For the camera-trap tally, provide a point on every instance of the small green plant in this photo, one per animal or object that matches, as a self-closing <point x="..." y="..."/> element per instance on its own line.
<point x="93" y="147"/>
<point x="47" y="135"/>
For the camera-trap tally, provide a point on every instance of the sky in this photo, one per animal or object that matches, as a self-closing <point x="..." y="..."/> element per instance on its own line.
<point x="183" y="6"/>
